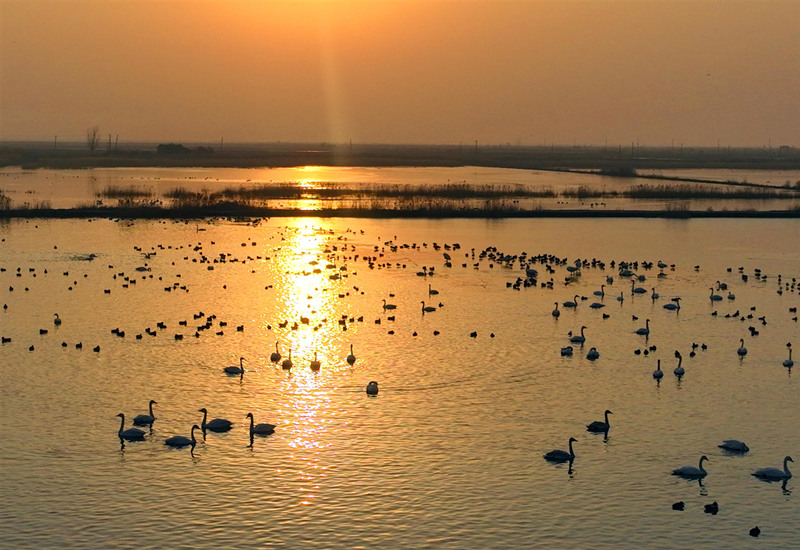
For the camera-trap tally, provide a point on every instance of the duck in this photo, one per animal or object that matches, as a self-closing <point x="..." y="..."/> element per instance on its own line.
<point x="734" y="445"/>
<point x="276" y="355"/>
<point x="216" y="425"/>
<point x="145" y="419"/>
<point x="598" y="426"/>
<point x="182" y="441"/>
<point x="372" y="388"/>
<point x="351" y="358"/>
<point x="692" y="471"/>
<point x="233" y="369"/>
<point x="775" y="473"/>
<point x="561" y="456"/>
<point x="131" y="434"/>
<point x="260" y="429"/>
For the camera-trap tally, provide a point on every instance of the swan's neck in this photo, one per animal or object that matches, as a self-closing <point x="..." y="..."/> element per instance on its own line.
<point x="252" y="423"/>
<point x="571" y="452"/>
<point x="151" y="410"/>
<point x="786" y="467"/>
<point x="606" y="419"/>
<point x="700" y="466"/>
<point x="121" y="423"/>
<point x="205" y="416"/>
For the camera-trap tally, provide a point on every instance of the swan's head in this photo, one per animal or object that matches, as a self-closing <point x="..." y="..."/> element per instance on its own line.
<point x="571" y="439"/>
<point x="153" y="402"/>
<point x="608" y="412"/>
<point x="249" y="415"/>
<point x="195" y="427"/>
<point x="702" y="458"/>
<point x="202" y="410"/>
<point x="121" y="415"/>
<point x="788" y="459"/>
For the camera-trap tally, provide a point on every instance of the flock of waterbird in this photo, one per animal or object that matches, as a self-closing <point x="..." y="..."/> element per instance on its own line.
<point x="529" y="266"/>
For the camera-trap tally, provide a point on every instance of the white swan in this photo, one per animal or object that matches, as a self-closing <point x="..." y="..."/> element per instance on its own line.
<point x="691" y="471"/>
<point x="788" y="363"/>
<point x="775" y="473"/>
<point x="556" y="312"/>
<point x="287" y="363"/>
<point x="679" y="370"/>
<point x="182" y="441"/>
<point x="658" y="374"/>
<point x="233" y="369"/>
<point x="579" y="339"/>
<point x="145" y="419"/>
<point x="389" y="306"/>
<point x="597" y="426"/>
<point x="592" y="354"/>
<point x="131" y="434"/>
<point x="372" y="388"/>
<point x="734" y="445"/>
<point x="276" y="355"/>
<point x="742" y="351"/>
<point x="351" y="358"/>
<point x="645" y="330"/>
<point x="260" y="429"/>
<point x="561" y="456"/>
<point x="315" y="364"/>
<point x="216" y="425"/>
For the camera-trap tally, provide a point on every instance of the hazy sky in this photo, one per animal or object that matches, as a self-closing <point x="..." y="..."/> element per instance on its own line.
<point x="533" y="72"/>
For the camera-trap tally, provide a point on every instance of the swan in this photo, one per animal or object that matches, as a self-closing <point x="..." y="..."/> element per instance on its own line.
<point x="674" y="305"/>
<point x="734" y="445"/>
<point x="775" y="473"/>
<point x="573" y="303"/>
<point x="679" y="370"/>
<point x="389" y="306"/>
<point x="645" y="330"/>
<point x="742" y="351"/>
<point x="601" y="292"/>
<point x="636" y="289"/>
<point x="579" y="339"/>
<point x="315" y="364"/>
<point x="658" y="373"/>
<point x="181" y="440"/>
<point x="260" y="429"/>
<point x="621" y="297"/>
<point x="145" y="419"/>
<point x="788" y="363"/>
<point x="287" y="363"/>
<point x="216" y="425"/>
<point x="714" y="297"/>
<point x="566" y="352"/>
<point x="691" y="471"/>
<point x="431" y="291"/>
<point x="372" y="388"/>
<point x="597" y="426"/>
<point x="561" y="456"/>
<point x="427" y="308"/>
<point x="131" y="434"/>
<point x="556" y="312"/>
<point x="57" y="320"/>
<point x="351" y="358"/>
<point x="592" y="354"/>
<point x="233" y="369"/>
<point x="276" y="355"/>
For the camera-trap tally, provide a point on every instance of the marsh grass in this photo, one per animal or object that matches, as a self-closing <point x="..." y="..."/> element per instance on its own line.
<point x="118" y="192"/>
<point x="686" y="191"/>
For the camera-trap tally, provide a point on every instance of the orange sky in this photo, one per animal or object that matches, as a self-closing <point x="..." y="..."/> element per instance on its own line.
<point x="397" y="71"/>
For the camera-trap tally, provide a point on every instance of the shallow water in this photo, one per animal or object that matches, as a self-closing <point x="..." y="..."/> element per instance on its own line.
<point x="449" y="453"/>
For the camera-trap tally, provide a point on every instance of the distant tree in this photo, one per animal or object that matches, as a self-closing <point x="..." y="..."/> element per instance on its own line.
<point x="92" y="138"/>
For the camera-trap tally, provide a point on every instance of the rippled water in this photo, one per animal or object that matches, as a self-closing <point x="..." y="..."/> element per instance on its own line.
<point x="449" y="453"/>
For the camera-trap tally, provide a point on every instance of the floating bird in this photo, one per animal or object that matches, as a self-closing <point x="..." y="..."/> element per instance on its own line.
<point x="57" y="320"/>
<point x="678" y="505"/>
<point x="734" y="445"/>
<point x="561" y="456"/>
<point x="572" y="303"/>
<point x="599" y="427"/>
<point x="775" y="473"/>
<point x="679" y="370"/>
<point x="427" y="309"/>
<point x="372" y="388"/>
<point x="315" y="364"/>
<point x="579" y="339"/>
<point x="276" y="355"/>
<point x="287" y="363"/>
<point x="788" y="363"/>
<point x="691" y="471"/>
<point x="755" y="531"/>
<point x="592" y="354"/>
<point x="566" y="352"/>
<point x="182" y="441"/>
<point x="233" y="369"/>
<point x="714" y="297"/>
<point x="216" y="425"/>
<point x="658" y="374"/>
<point x="742" y="351"/>
<point x="260" y="429"/>
<point x="712" y="508"/>
<point x="351" y="358"/>
<point x="389" y="306"/>
<point x="645" y="330"/>
<point x="675" y="305"/>
<point x="431" y="291"/>
<point x="145" y="419"/>
<point x="131" y="434"/>
<point x="556" y="312"/>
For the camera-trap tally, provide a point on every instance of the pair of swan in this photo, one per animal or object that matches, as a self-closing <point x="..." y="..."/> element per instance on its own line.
<point x="558" y="455"/>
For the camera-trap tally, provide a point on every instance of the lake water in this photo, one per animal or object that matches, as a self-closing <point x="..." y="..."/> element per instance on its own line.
<point x="449" y="453"/>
